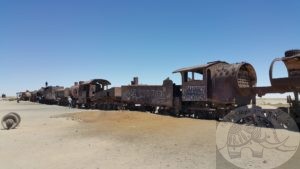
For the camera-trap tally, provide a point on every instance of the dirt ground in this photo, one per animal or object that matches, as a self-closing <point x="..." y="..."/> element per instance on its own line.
<point x="61" y="138"/>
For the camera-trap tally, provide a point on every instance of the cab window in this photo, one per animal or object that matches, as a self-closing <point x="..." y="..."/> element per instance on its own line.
<point x="192" y="76"/>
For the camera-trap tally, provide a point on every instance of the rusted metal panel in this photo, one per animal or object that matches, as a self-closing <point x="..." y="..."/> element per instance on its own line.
<point x="194" y="93"/>
<point x="155" y="95"/>
<point x="109" y="99"/>
<point x="112" y="92"/>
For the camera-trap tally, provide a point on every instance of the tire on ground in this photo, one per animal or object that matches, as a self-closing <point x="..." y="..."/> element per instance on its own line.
<point x="11" y="119"/>
<point x="16" y="114"/>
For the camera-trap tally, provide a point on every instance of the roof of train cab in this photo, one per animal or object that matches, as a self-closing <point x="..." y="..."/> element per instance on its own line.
<point x="97" y="81"/>
<point x="198" y="68"/>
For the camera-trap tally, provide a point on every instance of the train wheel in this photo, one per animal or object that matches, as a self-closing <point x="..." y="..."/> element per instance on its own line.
<point x="269" y="118"/>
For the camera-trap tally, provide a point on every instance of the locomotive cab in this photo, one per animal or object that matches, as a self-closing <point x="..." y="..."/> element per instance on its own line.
<point x="195" y="82"/>
<point x="221" y="85"/>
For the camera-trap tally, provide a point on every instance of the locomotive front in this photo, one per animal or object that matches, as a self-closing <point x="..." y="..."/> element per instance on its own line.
<point x="232" y="83"/>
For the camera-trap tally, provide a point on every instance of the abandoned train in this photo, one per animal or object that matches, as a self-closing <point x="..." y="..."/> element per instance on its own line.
<point x="207" y="91"/>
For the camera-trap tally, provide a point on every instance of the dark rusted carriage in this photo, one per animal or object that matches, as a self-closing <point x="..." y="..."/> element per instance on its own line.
<point x="223" y="87"/>
<point x="88" y="89"/>
<point x="48" y="94"/>
<point x="62" y="96"/>
<point x="148" y="97"/>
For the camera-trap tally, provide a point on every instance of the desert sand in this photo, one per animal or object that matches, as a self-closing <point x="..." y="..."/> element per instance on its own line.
<point x="62" y="138"/>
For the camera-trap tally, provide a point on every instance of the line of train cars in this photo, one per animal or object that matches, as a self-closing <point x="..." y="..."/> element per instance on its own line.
<point x="207" y="91"/>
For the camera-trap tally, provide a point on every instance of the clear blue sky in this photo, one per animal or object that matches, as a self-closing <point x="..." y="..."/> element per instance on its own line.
<point x="62" y="41"/>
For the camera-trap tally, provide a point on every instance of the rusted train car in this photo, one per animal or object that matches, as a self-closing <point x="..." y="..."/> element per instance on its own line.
<point x="52" y="95"/>
<point x="214" y="89"/>
<point x="150" y="97"/>
<point x="48" y="94"/>
<point x="206" y="91"/>
<point x="96" y="94"/>
<point x="87" y="91"/>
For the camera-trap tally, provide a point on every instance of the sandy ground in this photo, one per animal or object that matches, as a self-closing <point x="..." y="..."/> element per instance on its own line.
<point x="62" y="138"/>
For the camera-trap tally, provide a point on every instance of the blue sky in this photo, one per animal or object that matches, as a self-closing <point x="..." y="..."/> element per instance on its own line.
<point x="63" y="41"/>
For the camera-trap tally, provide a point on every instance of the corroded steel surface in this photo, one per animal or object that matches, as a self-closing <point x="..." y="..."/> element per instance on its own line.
<point x="221" y="83"/>
<point x="149" y="95"/>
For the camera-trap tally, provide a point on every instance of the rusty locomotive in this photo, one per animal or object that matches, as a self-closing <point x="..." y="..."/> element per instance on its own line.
<point x="207" y="91"/>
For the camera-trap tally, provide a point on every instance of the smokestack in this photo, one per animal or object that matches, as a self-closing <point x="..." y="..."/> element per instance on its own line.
<point x="135" y="81"/>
